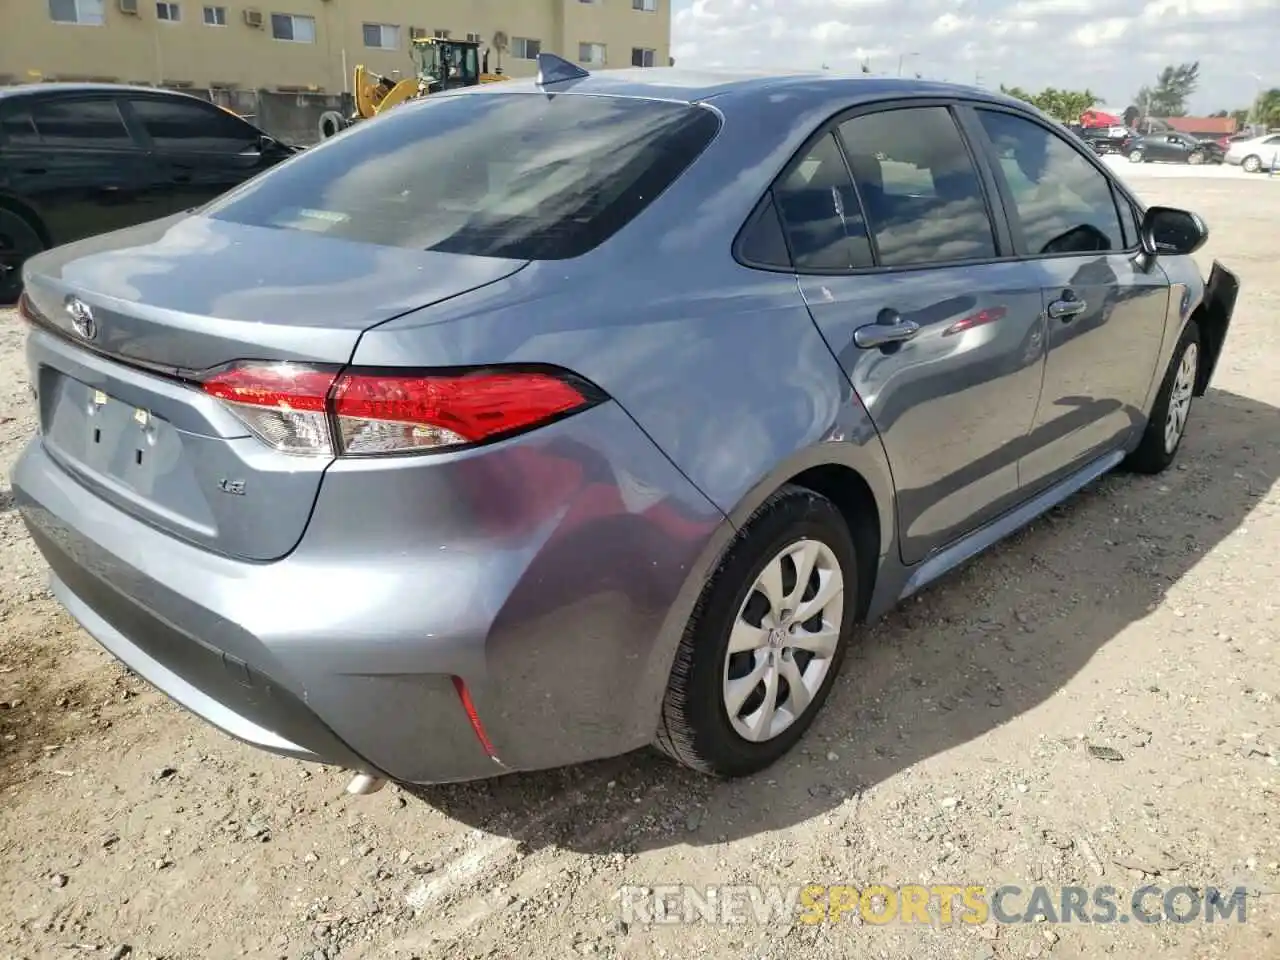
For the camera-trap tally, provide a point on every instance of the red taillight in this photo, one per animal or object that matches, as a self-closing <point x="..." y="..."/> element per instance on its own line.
<point x="309" y="410"/>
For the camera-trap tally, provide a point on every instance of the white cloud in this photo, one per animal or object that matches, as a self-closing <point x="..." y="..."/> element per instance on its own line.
<point x="1115" y="46"/>
<point x="1101" y="33"/>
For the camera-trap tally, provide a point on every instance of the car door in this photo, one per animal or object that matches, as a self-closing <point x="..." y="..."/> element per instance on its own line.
<point x="72" y="158"/>
<point x="1105" y="304"/>
<point x="201" y="150"/>
<point x="898" y="260"/>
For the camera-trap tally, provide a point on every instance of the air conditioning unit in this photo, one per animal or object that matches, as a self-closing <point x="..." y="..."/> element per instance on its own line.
<point x="129" y="7"/>
<point x="253" y="18"/>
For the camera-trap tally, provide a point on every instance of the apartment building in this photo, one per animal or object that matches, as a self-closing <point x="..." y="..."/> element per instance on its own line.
<point x="310" y="45"/>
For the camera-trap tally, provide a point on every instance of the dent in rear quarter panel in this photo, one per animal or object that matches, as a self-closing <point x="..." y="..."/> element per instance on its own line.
<point x="721" y="367"/>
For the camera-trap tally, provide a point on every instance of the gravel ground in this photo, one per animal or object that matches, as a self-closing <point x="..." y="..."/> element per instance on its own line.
<point x="961" y="745"/>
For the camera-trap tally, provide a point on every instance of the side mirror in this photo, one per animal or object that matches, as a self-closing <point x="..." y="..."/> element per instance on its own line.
<point x="1168" y="230"/>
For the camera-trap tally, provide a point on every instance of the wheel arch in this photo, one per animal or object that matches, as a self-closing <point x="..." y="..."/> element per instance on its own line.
<point x="28" y="213"/>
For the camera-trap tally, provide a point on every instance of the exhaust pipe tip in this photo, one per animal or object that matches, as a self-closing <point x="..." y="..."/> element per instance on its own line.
<point x="362" y="784"/>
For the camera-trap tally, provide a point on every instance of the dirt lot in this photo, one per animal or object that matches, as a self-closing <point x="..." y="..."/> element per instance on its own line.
<point x="1142" y="617"/>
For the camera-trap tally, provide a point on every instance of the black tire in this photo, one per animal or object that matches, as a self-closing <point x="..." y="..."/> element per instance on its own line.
<point x="696" y="729"/>
<point x="1251" y="164"/>
<point x="19" y="241"/>
<point x="1154" y="454"/>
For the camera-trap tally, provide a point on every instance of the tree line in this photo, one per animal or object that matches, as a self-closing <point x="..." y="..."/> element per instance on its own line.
<point x="1167" y="97"/>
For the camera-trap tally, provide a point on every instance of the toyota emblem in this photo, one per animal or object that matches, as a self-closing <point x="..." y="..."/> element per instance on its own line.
<point x="82" y="318"/>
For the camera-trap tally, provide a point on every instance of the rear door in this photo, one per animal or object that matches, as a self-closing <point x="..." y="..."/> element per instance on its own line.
<point x="1105" y="310"/>
<point x="901" y="267"/>
<point x="200" y="150"/>
<point x="74" y="160"/>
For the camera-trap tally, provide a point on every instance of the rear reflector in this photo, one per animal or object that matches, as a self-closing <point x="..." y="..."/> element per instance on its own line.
<point x="326" y="412"/>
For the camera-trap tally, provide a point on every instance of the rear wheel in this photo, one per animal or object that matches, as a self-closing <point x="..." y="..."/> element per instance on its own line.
<point x="766" y="639"/>
<point x="19" y="241"/>
<point x="1252" y="163"/>
<point x="1196" y="158"/>
<point x="1168" y="423"/>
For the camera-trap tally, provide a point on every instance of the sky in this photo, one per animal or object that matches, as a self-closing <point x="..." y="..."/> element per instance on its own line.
<point x="1111" y="47"/>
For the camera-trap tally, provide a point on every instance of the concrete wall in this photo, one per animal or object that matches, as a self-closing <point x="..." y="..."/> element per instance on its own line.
<point x="143" y="48"/>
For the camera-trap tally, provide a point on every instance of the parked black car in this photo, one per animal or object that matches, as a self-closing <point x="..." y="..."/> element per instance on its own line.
<point x="1106" y="140"/>
<point x="82" y="159"/>
<point x="1173" y="148"/>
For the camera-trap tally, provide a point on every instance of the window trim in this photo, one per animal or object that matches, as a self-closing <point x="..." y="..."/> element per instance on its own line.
<point x="382" y="34"/>
<point x="170" y="7"/>
<point x="1003" y="240"/>
<point x="204" y="11"/>
<point x="986" y="147"/>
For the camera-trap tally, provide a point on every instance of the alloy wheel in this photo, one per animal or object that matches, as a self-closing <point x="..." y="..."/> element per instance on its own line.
<point x="784" y="640"/>
<point x="1135" y="156"/>
<point x="1184" y="383"/>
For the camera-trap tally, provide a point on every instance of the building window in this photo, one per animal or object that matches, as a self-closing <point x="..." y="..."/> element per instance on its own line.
<point x="417" y="33"/>
<point x="473" y="38"/>
<point x="286" y="26"/>
<point x="215" y="16"/>
<point x="442" y="34"/>
<point x="648" y="6"/>
<point x="85" y="12"/>
<point x="523" y="48"/>
<point x="592" y="53"/>
<point x="641" y="57"/>
<point x="383" y="36"/>
<point x="169" y="12"/>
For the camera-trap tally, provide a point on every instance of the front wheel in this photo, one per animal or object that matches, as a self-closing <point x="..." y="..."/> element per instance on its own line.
<point x="766" y="639"/>
<point x="1252" y="163"/>
<point x="1196" y="158"/>
<point x="1136" y="156"/>
<point x="1168" y="423"/>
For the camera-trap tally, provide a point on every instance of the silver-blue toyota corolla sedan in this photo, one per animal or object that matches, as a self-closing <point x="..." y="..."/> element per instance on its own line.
<point x="542" y="421"/>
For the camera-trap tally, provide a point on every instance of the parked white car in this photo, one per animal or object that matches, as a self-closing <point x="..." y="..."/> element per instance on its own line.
<point x="1258" y="153"/>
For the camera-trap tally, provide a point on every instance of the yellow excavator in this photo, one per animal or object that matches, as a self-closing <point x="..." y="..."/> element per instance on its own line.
<point x="441" y="64"/>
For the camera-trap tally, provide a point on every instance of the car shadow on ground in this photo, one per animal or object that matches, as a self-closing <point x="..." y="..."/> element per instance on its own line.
<point x="965" y="658"/>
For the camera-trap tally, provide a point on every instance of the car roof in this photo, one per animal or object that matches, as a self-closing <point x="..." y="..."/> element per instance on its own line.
<point x="63" y="89"/>
<point x="694" y="86"/>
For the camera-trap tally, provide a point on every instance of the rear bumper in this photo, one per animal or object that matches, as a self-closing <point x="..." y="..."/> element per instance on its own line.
<point x="552" y="573"/>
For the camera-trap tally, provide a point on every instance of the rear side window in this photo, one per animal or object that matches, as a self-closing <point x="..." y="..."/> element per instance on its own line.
<point x="193" y="127"/>
<point x="820" y="212"/>
<point x="919" y="187"/>
<point x="524" y="176"/>
<point x="81" y="124"/>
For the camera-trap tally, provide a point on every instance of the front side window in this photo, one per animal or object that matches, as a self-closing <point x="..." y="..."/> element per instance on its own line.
<point x="521" y="176"/>
<point x="193" y="127"/>
<point x="18" y="130"/>
<point x="1064" y="203"/>
<point x="919" y="187"/>
<point x="819" y="211"/>
<point x="82" y="124"/>
<point x="84" y="12"/>
<point x="286" y="26"/>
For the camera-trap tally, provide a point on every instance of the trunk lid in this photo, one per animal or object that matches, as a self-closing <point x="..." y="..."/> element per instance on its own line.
<point x="173" y="298"/>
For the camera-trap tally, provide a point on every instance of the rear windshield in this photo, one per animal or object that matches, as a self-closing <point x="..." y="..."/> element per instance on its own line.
<point x="524" y="176"/>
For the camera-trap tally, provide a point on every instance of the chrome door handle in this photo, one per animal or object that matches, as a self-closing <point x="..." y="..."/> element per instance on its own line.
<point x="882" y="334"/>
<point x="1066" y="309"/>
